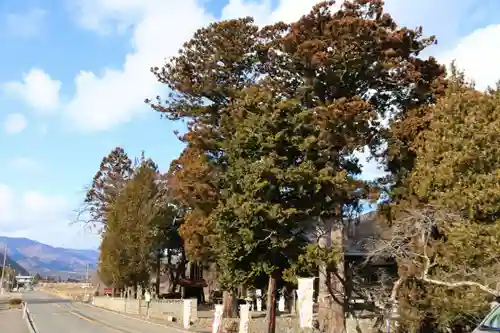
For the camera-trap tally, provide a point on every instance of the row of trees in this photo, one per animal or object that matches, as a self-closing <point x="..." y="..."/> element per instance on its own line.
<point x="275" y="118"/>
<point x="128" y="202"/>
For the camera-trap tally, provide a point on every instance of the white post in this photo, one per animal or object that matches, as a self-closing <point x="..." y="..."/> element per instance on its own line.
<point x="187" y="313"/>
<point x="190" y="312"/>
<point x="305" y="302"/>
<point x="281" y="303"/>
<point x="147" y="297"/>
<point x="244" y="318"/>
<point x="217" y="318"/>
<point x="258" y="295"/>
<point x="87" y="281"/>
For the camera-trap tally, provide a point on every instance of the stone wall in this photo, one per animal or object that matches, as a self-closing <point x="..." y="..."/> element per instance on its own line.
<point x="161" y="309"/>
<point x="288" y="324"/>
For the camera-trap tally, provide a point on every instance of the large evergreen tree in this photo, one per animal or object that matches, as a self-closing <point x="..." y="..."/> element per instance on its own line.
<point x="356" y="59"/>
<point x="444" y="211"/>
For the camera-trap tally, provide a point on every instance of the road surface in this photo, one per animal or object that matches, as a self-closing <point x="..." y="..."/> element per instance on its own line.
<point x="12" y="321"/>
<point x="54" y="315"/>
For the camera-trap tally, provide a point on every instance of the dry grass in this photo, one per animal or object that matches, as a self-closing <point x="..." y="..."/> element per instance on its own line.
<point x="66" y="290"/>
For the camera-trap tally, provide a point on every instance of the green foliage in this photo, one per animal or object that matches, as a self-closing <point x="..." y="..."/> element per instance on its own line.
<point x="111" y="259"/>
<point x="282" y="177"/>
<point x="136" y="211"/>
<point x="353" y="65"/>
<point x="455" y="168"/>
<point x="141" y="224"/>
<point x="458" y="165"/>
<point x="275" y="115"/>
<point x="307" y="263"/>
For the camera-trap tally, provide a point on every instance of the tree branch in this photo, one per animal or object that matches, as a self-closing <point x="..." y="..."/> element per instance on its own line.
<point x="411" y="238"/>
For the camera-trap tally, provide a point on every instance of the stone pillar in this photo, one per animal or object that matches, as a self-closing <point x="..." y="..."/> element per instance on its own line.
<point x="139" y="292"/>
<point x="187" y="313"/>
<point x="217" y="324"/>
<point x="258" y="295"/>
<point x="281" y="303"/>
<point x="245" y="317"/>
<point x="305" y="302"/>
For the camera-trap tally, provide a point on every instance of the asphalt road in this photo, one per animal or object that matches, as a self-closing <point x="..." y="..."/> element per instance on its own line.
<point x="11" y="321"/>
<point x="55" y="315"/>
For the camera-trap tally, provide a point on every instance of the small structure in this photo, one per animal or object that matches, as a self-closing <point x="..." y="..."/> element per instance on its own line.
<point x="25" y="281"/>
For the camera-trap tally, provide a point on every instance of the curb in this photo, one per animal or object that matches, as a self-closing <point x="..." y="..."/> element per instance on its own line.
<point x="27" y="317"/>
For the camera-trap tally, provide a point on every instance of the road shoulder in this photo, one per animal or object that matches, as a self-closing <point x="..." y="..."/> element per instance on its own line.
<point x="11" y="321"/>
<point x="162" y="324"/>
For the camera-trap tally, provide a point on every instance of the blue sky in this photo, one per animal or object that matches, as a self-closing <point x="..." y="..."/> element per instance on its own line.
<point x="74" y="75"/>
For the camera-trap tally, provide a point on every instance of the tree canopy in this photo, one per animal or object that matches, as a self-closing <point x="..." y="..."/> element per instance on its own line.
<point x="115" y="169"/>
<point x="142" y="224"/>
<point x="456" y="172"/>
<point x="275" y="116"/>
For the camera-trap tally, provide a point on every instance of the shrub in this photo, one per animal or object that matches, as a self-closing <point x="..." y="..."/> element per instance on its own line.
<point x="15" y="302"/>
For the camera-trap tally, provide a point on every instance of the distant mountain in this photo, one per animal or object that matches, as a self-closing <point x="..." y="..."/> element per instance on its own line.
<point x="12" y="264"/>
<point x="44" y="259"/>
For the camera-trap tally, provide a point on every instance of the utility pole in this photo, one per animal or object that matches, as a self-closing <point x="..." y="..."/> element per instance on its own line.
<point x="87" y="280"/>
<point x="3" y="267"/>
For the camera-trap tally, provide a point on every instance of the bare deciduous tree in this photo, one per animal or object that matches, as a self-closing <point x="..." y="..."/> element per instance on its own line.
<point x="443" y="248"/>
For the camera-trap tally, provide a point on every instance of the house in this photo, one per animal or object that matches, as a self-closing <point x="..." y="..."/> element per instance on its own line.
<point x="360" y="236"/>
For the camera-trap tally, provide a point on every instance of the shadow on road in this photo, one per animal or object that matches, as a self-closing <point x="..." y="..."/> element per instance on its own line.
<point x="47" y="301"/>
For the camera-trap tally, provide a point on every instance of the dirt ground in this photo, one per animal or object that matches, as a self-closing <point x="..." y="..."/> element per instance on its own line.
<point x="65" y="290"/>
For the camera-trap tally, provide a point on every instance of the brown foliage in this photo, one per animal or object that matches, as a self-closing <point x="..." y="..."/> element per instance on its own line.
<point x="191" y="182"/>
<point x="350" y="62"/>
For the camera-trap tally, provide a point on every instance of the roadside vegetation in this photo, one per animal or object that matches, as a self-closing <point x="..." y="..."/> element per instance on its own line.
<point x="277" y="118"/>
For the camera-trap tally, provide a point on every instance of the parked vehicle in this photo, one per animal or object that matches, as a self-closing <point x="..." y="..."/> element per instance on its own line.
<point x="491" y="323"/>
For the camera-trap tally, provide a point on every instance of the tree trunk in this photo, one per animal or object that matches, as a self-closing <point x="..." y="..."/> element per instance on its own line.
<point x="331" y="296"/>
<point x="158" y="273"/>
<point x="181" y="267"/>
<point x="230" y="304"/>
<point x="271" y="305"/>
<point x="324" y="304"/>
<point x="339" y="301"/>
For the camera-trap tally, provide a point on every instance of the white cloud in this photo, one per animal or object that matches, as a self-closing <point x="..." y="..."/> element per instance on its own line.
<point x="24" y="210"/>
<point x="158" y="29"/>
<point x="116" y="96"/>
<point x="15" y="123"/>
<point x="44" y="218"/>
<point x="24" y="164"/>
<point x="107" y="16"/>
<point x="27" y="24"/>
<point x="478" y="56"/>
<point x="38" y="90"/>
<point x="264" y="13"/>
<point x="103" y="101"/>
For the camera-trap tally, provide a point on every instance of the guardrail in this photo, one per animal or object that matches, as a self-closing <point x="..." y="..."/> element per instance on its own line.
<point x="29" y="320"/>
